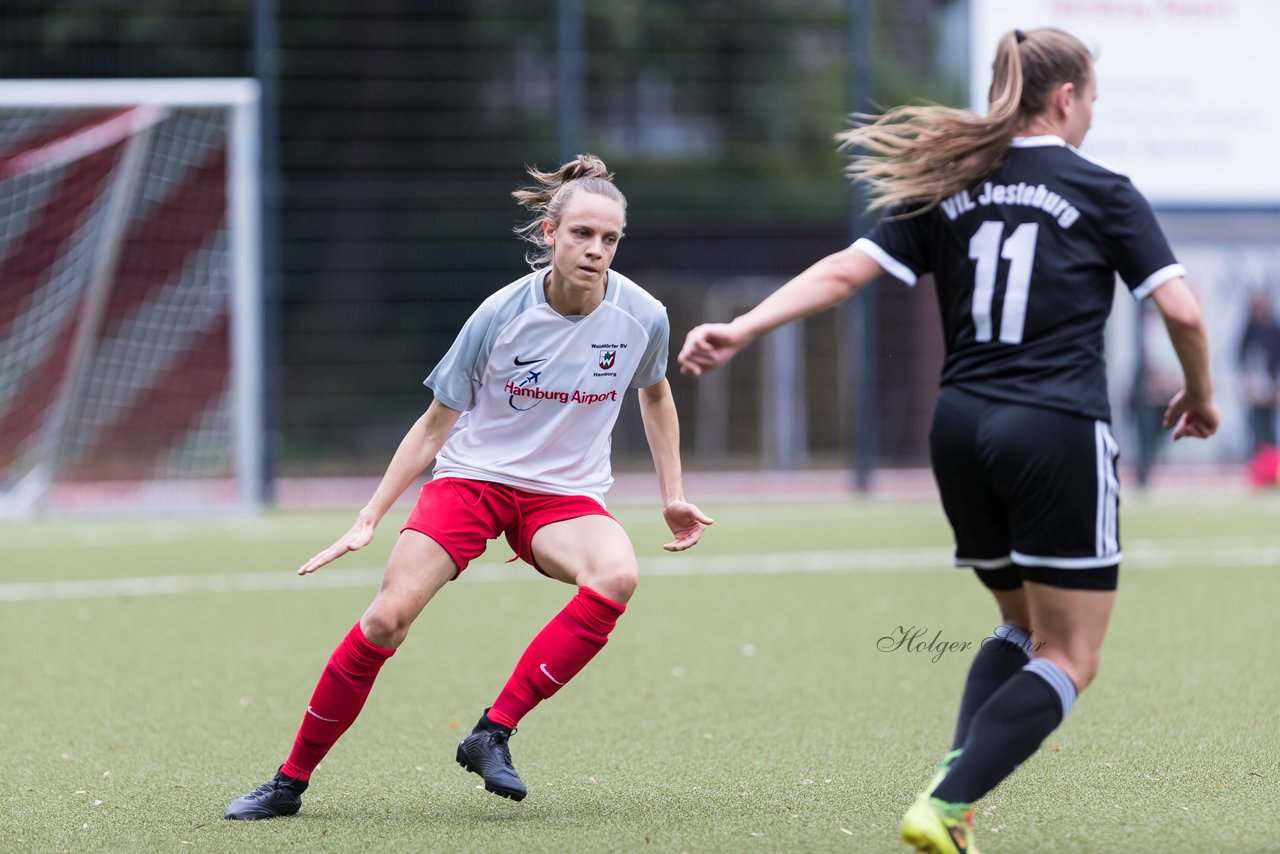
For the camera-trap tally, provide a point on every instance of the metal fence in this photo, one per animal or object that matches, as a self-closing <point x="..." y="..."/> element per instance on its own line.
<point x="403" y="127"/>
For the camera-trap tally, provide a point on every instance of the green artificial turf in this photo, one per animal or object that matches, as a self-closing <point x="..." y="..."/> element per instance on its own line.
<point x="741" y="705"/>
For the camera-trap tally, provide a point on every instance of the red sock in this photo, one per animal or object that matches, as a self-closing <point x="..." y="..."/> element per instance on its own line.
<point x="338" y="698"/>
<point x="556" y="655"/>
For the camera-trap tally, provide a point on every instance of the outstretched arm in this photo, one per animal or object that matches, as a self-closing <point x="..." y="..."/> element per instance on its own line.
<point x="828" y="282"/>
<point x="1192" y="411"/>
<point x="417" y="449"/>
<point x="662" y="429"/>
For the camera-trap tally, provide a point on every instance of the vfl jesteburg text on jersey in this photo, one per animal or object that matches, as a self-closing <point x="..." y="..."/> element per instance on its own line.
<point x="1024" y="265"/>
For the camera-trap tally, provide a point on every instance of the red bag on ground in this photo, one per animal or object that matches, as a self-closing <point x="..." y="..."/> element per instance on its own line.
<point x="1264" y="468"/>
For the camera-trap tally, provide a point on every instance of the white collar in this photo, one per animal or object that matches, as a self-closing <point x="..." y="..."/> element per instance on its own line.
<point x="1038" y="141"/>
<point x="538" y="283"/>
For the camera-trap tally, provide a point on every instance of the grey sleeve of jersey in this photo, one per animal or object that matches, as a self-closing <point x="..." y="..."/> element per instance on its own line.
<point x="456" y="379"/>
<point x="653" y="365"/>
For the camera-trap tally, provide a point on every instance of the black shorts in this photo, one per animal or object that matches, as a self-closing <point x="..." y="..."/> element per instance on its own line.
<point x="1024" y="486"/>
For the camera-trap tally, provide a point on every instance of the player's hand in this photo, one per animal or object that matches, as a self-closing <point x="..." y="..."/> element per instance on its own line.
<point x="709" y="346"/>
<point x="360" y="535"/>
<point x="1189" y="416"/>
<point x="686" y="521"/>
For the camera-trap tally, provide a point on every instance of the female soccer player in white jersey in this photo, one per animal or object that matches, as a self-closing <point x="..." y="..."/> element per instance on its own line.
<point x="1024" y="237"/>
<point x="525" y="402"/>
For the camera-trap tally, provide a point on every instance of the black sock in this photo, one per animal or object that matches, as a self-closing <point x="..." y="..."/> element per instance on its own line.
<point x="1000" y="656"/>
<point x="298" y="785"/>
<point x="486" y="723"/>
<point x="1007" y="729"/>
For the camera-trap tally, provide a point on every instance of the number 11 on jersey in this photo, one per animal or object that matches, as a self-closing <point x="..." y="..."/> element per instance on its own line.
<point x="1020" y="251"/>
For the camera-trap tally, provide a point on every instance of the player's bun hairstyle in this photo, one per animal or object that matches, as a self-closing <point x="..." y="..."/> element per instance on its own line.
<point x="553" y="191"/>
<point x="924" y="154"/>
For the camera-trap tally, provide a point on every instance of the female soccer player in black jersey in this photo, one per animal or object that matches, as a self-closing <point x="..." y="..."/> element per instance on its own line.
<point x="1024" y="237"/>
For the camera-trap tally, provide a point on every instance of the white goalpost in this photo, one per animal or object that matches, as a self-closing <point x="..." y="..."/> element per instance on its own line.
<point x="130" y="296"/>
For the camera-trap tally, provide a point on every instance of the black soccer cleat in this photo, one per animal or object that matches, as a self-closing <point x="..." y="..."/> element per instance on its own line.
<point x="279" y="796"/>
<point x="485" y="752"/>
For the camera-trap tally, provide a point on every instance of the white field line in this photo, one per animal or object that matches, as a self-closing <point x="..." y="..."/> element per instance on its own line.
<point x="1227" y="552"/>
<point x="171" y="531"/>
<point x="34" y="538"/>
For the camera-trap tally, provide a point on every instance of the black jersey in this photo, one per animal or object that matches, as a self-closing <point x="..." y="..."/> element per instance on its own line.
<point x="1025" y="266"/>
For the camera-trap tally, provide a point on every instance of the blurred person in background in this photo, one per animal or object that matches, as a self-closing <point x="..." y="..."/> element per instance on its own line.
<point x="1024" y="237"/>
<point x="1259" y="362"/>
<point x="1158" y="380"/>
<point x="525" y="403"/>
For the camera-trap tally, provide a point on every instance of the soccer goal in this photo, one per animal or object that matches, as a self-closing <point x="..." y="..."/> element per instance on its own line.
<point x="130" y="296"/>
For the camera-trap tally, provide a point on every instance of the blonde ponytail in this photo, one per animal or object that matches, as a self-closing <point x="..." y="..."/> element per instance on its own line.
<point x="924" y="154"/>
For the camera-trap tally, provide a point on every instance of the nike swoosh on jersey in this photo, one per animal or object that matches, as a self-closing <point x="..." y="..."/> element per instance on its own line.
<point x="521" y="364"/>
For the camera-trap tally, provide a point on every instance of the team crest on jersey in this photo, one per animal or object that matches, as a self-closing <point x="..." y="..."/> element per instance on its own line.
<point x="607" y="358"/>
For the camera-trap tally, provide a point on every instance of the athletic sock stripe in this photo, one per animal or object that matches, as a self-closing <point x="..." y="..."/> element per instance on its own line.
<point x="1058" y="680"/>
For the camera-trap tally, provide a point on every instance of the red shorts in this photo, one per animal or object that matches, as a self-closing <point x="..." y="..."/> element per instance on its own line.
<point x="463" y="515"/>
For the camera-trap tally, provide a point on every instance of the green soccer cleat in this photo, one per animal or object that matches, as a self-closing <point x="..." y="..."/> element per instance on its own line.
<point x="932" y="826"/>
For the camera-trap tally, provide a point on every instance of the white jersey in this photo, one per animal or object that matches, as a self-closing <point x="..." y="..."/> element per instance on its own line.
<point x="540" y="391"/>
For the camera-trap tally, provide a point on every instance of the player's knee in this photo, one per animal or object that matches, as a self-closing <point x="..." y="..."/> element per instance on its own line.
<point x="1086" y="669"/>
<point x="384" y="626"/>
<point x="1082" y="667"/>
<point x="615" y="580"/>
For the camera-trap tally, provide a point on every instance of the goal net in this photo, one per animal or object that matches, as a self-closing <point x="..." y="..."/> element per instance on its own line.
<point x="130" y="356"/>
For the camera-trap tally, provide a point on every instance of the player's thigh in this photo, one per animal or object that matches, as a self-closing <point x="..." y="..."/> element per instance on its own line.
<point x="1069" y="625"/>
<point x="417" y="569"/>
<point x="1057" y="472"/>
<point x="976" y="512"/>
<point x="588" y="551"/>
<point x="1006" y="586"/>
